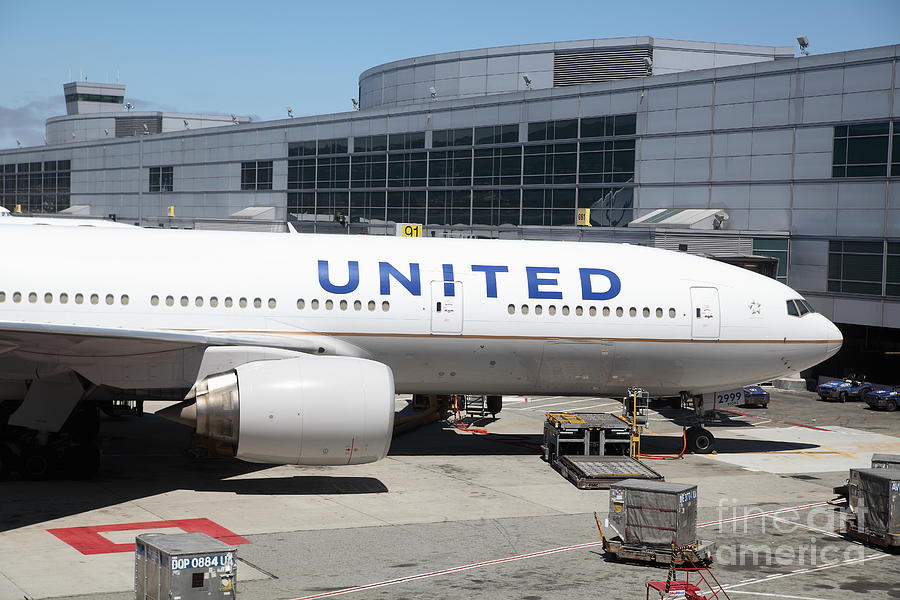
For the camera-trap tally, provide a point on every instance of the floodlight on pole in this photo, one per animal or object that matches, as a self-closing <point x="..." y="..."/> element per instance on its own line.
<point x="804" y="44"/>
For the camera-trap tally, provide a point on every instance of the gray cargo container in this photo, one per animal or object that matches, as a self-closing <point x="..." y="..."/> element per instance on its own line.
<point x="886" y="461"/>
<point x="185" y="566"/>
<point x="653" y="513"/>
<point x="875" y="506"/>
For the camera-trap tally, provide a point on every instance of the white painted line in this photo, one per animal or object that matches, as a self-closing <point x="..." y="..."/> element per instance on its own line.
<point x="761" y="514"/>
<point x="448" y="571"/>
<point x="783" y="575"/>
<point x="569" y="403"/>
<point x="823" y="531"/>
<point x="776" y="595"/>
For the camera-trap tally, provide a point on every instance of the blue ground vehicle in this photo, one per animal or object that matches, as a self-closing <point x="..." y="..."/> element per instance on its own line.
<point x="755" y="396"/>
<point x="844" y="389"/>
<point x="888" y="400"/>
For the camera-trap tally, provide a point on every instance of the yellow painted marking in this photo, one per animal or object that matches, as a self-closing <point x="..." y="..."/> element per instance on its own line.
<point x="841" y="453"/>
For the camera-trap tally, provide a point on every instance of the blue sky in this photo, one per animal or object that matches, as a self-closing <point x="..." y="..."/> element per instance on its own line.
<point x="257" y="57"/>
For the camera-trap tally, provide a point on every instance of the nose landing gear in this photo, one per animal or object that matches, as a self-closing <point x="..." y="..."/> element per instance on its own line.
<point x="699" y="440"/>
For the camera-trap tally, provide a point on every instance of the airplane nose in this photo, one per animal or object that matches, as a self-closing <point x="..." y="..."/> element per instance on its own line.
<point x="834" y="339"/>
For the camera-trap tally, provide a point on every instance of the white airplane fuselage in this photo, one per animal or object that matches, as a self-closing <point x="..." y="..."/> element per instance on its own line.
<point x="446" y="315"/>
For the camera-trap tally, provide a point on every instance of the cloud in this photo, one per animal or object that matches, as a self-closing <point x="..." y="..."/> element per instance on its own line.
<point x="26" y="123"/>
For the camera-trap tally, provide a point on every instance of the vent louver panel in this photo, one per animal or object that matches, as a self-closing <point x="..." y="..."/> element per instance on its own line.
<point x="128" y="126"/>
<point x="716" y="245"/>
<point x="593" y="66"/>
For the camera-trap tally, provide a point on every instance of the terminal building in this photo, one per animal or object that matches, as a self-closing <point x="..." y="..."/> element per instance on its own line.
<point x="734" y="151"/>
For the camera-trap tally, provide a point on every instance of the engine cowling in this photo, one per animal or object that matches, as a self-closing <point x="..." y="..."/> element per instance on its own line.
<point x="308" y="410"/>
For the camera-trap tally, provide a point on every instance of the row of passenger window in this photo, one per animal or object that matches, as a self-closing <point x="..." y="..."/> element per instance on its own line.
<point x="357" y="305"/>
<point x="63" y="298"/>
<point x="213" y="301"/>
<point x="591" y="311"/>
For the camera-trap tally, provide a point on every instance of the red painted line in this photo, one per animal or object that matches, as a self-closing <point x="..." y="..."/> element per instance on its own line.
<point x="88" y="540"/>
<point x="734" y="412"/>
<point x="448" y="571"/>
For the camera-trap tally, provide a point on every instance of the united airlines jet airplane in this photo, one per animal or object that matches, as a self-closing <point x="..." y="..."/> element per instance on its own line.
<point x="289" y="348"/>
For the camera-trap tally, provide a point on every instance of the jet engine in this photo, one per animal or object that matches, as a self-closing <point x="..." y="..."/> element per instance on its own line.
<point x="307" y="410"/>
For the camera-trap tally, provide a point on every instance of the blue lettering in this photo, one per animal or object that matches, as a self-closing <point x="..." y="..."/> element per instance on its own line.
<point x="587" y="291"/>
<point x="351" y="285"/>
<point x="413" y="283"/>
<point x="535" y="282"/>
<point x="490" y="277"/>
<point x="449" y="288"/>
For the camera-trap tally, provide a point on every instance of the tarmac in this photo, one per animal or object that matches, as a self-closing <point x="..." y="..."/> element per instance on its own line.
<point x="451" y="514"/>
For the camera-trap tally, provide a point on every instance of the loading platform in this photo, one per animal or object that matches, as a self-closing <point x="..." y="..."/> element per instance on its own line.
<point x="592" y="450"/>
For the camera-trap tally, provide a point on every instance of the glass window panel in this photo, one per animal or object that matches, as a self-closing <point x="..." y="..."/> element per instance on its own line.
<point x="625" y="125"/>
<point x="879" y="128"/>
<point x="566" y="129"/>
<point x="867" y="171"/>
<point x="867" y="150"/>
<point x="462" y="137"/>
<point x="854" y="287"/>
<point x="863" y="247"/>
<point x="593" y="127"/>
<point x="861" y="267"/>
<point x="537" y="131"/>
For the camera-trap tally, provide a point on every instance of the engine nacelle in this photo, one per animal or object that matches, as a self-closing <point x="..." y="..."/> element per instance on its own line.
<point x="308" y="410"/>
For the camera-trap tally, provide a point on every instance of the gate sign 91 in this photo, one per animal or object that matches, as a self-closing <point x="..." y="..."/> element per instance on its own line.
<point x="729" y="398"/>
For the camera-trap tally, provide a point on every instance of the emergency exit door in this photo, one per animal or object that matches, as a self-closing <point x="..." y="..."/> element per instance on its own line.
<point x="446" y="307"/>
<point x="704" y="313"/>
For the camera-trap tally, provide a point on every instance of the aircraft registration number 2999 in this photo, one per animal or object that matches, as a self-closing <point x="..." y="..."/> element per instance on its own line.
<point x="201" y="562"/>
<point x="729" y="398"/>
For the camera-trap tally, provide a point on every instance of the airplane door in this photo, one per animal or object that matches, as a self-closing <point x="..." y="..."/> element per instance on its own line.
<point x="446" y="307"/>
<point x="704" y="313"/>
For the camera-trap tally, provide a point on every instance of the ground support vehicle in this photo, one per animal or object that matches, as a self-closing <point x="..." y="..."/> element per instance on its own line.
<point x="888" y="400"/>
<point x="755" y="396"/>
<point x="844" y="390"/>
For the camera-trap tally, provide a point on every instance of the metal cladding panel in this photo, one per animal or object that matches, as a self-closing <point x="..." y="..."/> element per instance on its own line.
<point x="877" y="500"/>
<point x="593" y="66"/>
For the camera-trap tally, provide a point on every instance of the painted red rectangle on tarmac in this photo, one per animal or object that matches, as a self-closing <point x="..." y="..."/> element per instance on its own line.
<point x="88" y="540"/>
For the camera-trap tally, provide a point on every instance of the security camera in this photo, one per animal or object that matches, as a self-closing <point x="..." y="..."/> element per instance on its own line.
<point x="355" y="103"/>
<point x="432" y="92"/>
<point x="804" y="44"/>
<point x="290" y="111"/>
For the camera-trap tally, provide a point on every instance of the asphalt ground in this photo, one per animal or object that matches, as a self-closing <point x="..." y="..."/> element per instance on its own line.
<point x="451" y="514"/>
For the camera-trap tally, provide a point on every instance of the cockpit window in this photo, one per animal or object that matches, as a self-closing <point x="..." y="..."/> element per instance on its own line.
<point x="792" y="309"/>
<point x="799" y="307"/>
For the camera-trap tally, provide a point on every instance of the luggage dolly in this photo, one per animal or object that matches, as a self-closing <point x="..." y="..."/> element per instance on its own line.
<point x="699" y="555"/>
<point x="704" y="586"/>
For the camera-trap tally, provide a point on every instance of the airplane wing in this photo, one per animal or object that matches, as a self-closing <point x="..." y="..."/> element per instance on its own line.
<point x="81" y="342"/>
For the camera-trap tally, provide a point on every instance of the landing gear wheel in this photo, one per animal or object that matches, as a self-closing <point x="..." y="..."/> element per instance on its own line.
<point x="36" y="464"/>
<point x="700" y="440"/>
<point x="83" y="461"/>
<point x="891" y="405"/>
<point x="494" y="404"/>
<point x="843" y="397"/>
